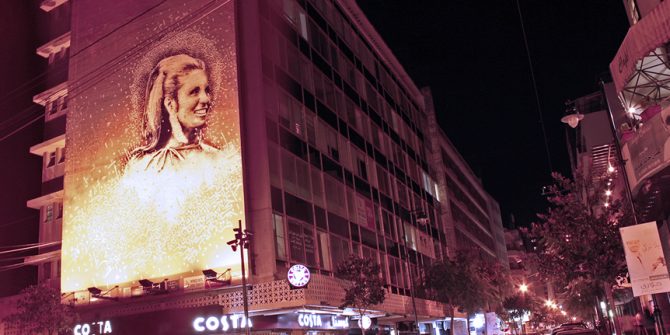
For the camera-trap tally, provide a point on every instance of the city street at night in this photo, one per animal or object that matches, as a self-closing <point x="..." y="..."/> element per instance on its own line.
<point x="335" y="167"/>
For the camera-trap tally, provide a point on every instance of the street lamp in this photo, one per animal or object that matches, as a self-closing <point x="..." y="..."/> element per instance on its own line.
<point x="242" y="241"/>
<point x="523" y="288"/>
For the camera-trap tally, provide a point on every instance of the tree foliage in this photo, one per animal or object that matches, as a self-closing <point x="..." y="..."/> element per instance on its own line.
<point x="578" y="237"/>
<point x="496" y="284"/>
<point x="578" y="242"/>
<point x="458" y="283"/>
<point x="39" y="310"/>
<point x="517" y="305"/>
<point x="365" y="287"/>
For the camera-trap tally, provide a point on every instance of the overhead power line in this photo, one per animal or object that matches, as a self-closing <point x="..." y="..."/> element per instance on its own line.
<point x="112" y="66"/>
<point x="537" y="96"/>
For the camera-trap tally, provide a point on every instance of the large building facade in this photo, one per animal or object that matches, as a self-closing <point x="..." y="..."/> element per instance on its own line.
<point x="316" y="140"/>
<point x="640" y="73"/>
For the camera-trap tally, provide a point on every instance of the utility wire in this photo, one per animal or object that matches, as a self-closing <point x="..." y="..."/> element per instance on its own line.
<point x="41" y="245"/>
<point x="22" y="127"/>
<point x="537" y="96"/>
<point x="105" y="70"/>
<point x="15" y="222"/>
<point x="22" y="245"/>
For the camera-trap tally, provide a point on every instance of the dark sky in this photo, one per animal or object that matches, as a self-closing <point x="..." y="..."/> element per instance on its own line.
<point x="20" y="171"/>
<point x="472" y="55"/>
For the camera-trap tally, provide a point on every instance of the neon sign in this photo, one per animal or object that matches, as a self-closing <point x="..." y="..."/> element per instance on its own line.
<point x="316" y="321"/>
<point x="93" y="328"/>
<point x="223" y="323"/>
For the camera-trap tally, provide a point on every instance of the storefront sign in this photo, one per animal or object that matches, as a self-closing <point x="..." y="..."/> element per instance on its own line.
<point x="365" y="322"/>
<point x="301" y="321"/>
<point x="223" y="323"/>
<point x="208" y="320"/>
<point x="93" y="328"/>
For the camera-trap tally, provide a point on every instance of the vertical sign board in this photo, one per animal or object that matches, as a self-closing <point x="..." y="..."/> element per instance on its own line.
<point x="153" y="185"/>
<point x="644" y="257"/>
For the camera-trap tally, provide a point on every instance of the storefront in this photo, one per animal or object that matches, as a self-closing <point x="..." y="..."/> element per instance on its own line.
<point x="210" y="320"/>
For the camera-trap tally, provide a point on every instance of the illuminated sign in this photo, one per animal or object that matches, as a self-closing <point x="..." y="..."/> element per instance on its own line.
<point x="298" y="275"/>
<point x="223" y="323"/>
<point x="153" y="180"/>
<point x="93" y="328"/>
<point x="322" y="321"/>
<point x="365" y="322"/>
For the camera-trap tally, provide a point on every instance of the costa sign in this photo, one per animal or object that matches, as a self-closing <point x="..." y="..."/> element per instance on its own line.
<point x="223" y="323"/>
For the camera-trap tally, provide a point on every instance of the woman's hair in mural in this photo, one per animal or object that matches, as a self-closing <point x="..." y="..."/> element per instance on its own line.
<point x="164" y="81"/>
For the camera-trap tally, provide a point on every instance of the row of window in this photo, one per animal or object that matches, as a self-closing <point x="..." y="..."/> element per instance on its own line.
<point x="462" y="179"/>
<point x="52" y="211"/>
<point x="297" y="172"/>
<point x="472" y="227"/>
<point x="356" y="155"/>
<point x="341" y="60"/>
<point x="464" y="199"/>
<point x="55" y="107"/>
<point x="300" y="242"/>
<point x="50" y="270"/>
<point x="332" y="20"/>
<point x="325" y="191"/>
<point x="346" y="219"/>
<point x="53" y="164"/>
<point x="304" y="74"/>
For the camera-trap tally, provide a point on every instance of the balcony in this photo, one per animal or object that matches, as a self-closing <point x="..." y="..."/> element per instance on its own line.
<point x="49" y="5"/>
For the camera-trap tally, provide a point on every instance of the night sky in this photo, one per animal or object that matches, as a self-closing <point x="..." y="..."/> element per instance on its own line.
<point x="471" y="54"/>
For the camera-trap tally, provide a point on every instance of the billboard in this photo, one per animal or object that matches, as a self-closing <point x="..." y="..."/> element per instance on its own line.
<point x="153" y="184"/>
<point x="647" y="151"/>
<point x="647" y="268"/>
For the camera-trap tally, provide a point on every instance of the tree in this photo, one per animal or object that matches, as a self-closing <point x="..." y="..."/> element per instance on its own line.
<point x="365" y="287"/>
<point x="39" y="310"/>
<point x="517" y="305"/>
<point x="578" y="237"/>
<point x="456" y="283"/>
<point x="496" y="284"/>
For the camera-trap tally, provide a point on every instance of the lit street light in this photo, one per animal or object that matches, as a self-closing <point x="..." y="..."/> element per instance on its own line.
<point x="523" y="288"/>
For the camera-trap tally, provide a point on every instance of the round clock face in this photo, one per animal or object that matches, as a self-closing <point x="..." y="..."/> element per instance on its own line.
<point x="298" y="275"/>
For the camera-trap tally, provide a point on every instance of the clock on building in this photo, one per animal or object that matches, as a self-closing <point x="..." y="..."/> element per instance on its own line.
<point x="298" y="276"/>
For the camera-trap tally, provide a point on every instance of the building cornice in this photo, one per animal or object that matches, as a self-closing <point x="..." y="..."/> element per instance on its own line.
<point x="48" y="146"/>
<point x="54" y="46"/>
<point x="49" y="5"/>
<point x="42" y="258"/>
<point x="46" y="96"/>
<point x="46" y="199"/>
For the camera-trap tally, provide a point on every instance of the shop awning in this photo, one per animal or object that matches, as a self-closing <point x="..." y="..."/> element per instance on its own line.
<point x="642" y="41"/>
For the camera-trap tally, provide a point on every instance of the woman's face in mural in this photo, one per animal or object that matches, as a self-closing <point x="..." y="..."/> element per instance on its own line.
<point x="193" y="99"/>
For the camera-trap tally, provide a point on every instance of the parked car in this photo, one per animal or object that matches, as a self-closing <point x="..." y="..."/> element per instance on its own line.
<point x="566" y="327"/>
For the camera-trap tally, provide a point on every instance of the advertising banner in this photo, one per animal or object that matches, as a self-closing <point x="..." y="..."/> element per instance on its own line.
<point x="644" y="257"/>
<point x="365" y="212"/>
<point x="648" y="150"/>
<point x="153" y="185"/>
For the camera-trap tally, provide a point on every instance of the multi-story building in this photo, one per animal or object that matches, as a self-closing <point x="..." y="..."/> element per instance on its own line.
<point x="474" y="214"/>
<point x="640" y="74"/>
<point x="55" y="26"/>
<point x="315" y="138"/>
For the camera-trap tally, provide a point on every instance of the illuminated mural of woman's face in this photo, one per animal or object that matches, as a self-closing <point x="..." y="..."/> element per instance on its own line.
<point x="193" y="99"/>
